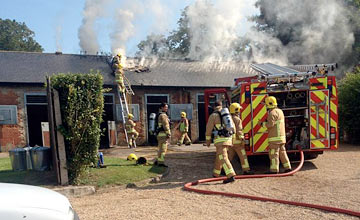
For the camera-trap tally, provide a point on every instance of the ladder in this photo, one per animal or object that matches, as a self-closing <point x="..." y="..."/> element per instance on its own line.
<point x="124" y="106"/>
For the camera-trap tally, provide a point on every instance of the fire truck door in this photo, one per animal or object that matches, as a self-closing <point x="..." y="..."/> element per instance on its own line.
<point x="319" y="119"/>
<point x="259" y="140"/>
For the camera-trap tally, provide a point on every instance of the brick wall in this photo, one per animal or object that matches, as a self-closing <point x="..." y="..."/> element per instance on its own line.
<point x="13" y="136"/>
<point x="176" y="96"/>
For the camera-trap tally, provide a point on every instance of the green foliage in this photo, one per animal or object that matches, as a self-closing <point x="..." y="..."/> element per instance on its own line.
<point x="15" y="36"/>
<point x="118" y="172"/>
<point x="349" y="104"/>
<point x="81" y="101"/>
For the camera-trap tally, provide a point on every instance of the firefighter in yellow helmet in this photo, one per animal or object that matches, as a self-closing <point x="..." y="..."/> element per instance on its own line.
<point x="222" y="142"/>
<point x="275" y="124"/>
<point x="119" y="73"/>
<point x="184" y="128"/>
<point x="238" y="140"/>
<point x="131" y="132"/>
<point x="164" y="134"/>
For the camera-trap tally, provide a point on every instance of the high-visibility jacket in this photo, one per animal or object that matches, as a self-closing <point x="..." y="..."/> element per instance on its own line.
<point x="164" y="122"/>
<point x="238" y="136"/>
<point x="215" y="121"/>
<point x="184" y="125"/>
<point x="276" y="126"/>
<point x="130" y="126"/>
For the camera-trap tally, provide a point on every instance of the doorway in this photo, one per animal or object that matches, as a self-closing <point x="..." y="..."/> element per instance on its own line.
<point x="201" y="116"/>
<point x="108" y="115"/>
<point x="153" y="102"/>
<point x="36" y="112"/>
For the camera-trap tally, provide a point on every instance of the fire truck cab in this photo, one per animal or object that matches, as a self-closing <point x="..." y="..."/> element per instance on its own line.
<point x="307" y="94"/>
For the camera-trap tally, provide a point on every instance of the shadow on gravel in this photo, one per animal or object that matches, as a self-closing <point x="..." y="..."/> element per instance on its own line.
<point x="191" y="166"/>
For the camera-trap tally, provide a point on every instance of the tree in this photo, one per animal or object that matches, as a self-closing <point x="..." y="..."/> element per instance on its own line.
<point x="349" y="105"/>
<point x="16" y="36"/>
<point x="154" y="45"/>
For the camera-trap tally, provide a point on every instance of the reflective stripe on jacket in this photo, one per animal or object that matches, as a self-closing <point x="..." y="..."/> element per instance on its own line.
<point x="238" y="136"/>
<point x="215" y="121"/>
<point x="276" y="126"/>
<point x="163" y="121"/>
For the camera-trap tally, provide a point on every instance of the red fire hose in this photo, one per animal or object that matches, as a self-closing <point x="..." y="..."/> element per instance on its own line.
<point x="187" y="186"/>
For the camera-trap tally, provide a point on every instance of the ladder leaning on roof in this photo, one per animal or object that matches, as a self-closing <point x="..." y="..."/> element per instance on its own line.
<point x="123" y="87"/>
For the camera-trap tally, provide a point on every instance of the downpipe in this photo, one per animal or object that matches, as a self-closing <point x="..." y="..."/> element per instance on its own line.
<point x="188" y="187"/>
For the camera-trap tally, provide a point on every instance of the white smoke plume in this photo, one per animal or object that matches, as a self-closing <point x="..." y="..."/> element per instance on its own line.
<point x="215" y="26"/>
<point x="321" y="31"/>
<point x="87" y="33"/>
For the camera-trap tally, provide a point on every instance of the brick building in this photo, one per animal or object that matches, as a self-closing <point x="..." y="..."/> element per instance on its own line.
<point x="181" y="83"/>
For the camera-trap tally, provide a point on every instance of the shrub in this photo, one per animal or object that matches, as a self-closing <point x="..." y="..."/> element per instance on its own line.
<point x="81" y="103"/>
<point x="349" y="105"/>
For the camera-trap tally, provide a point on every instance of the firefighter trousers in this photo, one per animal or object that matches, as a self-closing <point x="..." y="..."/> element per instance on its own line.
<point x="222" y="161"/>
<point x="162" y="148"/>
<point x="132" y="137"/>
<point x="184" y="135"/>
<point x="276" y="151"/>
<point x="239" y="149"/>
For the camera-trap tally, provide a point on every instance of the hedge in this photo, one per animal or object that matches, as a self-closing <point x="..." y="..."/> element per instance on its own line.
<point x="81" y="103"/>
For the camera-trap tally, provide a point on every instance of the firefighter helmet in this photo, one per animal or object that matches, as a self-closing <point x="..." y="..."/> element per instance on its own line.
<point x="131" y="116"/>
<point x="183" y="114"/>
<point x="132" y="157"/>
<point x="270" y="102"/>
<point x="235" y="108"/>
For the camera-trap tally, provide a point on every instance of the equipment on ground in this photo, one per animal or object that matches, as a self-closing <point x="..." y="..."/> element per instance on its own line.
<point x="307" y="94"/>
<point x="132" y="157"/>
<point x="141" y="161"/>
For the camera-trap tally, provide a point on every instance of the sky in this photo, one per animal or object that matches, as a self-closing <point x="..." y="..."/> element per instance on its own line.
<point x="56" y="22"/>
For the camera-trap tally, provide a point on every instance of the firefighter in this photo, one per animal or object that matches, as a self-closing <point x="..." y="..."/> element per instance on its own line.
<point x="222" y="142"/>
<point x="119" y="73"/>
<point x="163" y="134"/>
<point x="131" y="132"/>
<point x="238" y="140"/>
<point x="275" y="124"/>
<point x="184" y="128"/>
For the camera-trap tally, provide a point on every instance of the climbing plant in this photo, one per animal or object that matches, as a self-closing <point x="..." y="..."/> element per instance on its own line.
<point x="81" y="103"/>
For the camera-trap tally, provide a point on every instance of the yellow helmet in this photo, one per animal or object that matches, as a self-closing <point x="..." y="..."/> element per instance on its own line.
<point x="270" y="102"/>
<point x="183" y="114"/>
<point x="132" y="157"/>
<point x="131" y="116"/>
<point x="119" y="54"/>
<point x="235" y="108"/>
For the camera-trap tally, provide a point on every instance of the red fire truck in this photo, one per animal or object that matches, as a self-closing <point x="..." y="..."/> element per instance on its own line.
<point x="307" y="94"/>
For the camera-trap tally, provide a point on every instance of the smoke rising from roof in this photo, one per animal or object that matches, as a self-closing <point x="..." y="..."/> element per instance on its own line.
<point x="87" y="33"/>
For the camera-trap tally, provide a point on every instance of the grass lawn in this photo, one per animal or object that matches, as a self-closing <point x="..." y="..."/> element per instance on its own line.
<point x="117" y="172"/>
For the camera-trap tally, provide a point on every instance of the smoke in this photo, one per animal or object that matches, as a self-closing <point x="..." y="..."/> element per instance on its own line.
<point x="87" y="33"/>
<point x="58" y="38"/>
<point x="320" y="31"/>
<point x="214" y="27"/>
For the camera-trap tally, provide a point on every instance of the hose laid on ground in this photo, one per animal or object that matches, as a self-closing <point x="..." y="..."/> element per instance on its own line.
<point x="187" y="186"/>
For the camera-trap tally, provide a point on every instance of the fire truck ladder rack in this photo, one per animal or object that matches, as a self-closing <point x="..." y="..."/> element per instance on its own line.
<point x="124" y="106"/>
<point x="269" y="71"/>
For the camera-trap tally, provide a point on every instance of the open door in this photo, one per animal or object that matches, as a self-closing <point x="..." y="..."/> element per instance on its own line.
<point x="212" y="95"/>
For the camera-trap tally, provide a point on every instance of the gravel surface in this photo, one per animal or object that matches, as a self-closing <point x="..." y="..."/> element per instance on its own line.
<point x="333" y="179"/>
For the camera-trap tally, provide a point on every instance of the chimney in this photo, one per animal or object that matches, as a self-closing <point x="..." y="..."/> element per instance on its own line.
<point x="58" y="53"/>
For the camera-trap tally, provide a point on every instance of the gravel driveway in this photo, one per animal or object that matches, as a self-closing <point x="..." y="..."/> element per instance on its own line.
<point x="333" y="179"/>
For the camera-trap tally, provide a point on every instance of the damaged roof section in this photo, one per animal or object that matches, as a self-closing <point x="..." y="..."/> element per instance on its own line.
<point x="183" y="73"/>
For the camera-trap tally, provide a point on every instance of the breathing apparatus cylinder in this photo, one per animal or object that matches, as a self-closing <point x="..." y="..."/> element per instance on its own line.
<point x="152" y="118"/>
<point x="227" y="120"/>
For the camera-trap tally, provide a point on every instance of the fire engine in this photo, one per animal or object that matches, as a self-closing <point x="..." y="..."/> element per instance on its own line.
<point x="307" y="94"/>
